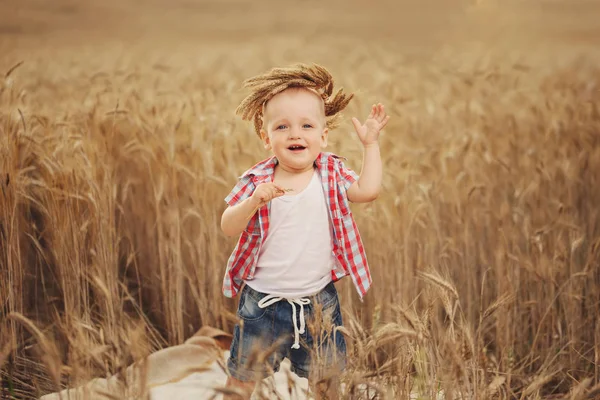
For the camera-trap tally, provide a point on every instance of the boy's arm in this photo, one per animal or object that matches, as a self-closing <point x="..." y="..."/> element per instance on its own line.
<point x="368" y="185"/>
<point x="235" y="218"/>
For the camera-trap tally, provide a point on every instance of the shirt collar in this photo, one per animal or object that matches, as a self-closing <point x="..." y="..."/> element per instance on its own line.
<point x="266" y="167"/>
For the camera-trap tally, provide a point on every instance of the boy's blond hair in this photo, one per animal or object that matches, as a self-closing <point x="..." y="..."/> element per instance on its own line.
<point x="315" y="78"/>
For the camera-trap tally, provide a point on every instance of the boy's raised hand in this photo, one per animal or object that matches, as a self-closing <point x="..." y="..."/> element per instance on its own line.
<point x="368" y="132"/>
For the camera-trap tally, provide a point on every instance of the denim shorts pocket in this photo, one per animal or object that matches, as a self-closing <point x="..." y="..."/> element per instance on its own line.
<point x="248" y="308"/>
<point x="330" y="301"/>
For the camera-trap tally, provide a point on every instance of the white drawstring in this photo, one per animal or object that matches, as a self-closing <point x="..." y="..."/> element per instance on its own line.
<point x="271" y="299"/>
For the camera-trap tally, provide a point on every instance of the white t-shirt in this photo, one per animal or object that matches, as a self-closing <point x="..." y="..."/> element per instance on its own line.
<point x="296" y="257"/>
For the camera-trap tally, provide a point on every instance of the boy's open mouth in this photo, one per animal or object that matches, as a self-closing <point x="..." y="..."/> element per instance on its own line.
<point x="296" y="147"/>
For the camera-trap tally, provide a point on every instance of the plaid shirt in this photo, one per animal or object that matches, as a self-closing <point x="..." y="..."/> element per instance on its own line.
<point x="347" y="244"/>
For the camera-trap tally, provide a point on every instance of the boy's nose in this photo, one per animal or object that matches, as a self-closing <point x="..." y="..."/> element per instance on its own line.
<point x="294" y="134"/>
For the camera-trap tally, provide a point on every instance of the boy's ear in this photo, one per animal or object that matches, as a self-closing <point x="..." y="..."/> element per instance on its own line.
<point x="265" y="138"/>
<point x="324" y="136"/>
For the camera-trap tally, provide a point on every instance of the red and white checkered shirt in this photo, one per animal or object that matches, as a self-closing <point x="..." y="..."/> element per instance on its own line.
<point x="347" y="244"/>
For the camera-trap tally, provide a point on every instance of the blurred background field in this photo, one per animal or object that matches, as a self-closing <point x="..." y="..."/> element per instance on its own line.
<point x="118" y="143"/>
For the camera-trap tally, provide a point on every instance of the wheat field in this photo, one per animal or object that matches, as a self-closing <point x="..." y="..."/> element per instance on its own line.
<point x="118" y="144"/>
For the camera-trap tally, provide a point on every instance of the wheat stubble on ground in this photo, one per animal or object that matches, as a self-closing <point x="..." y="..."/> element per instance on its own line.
<point x="118" y="143"/>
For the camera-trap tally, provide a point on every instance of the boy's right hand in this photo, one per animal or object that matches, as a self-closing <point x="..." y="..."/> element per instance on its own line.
<point x="266" y="192"/>
<point x="235" y="218"/>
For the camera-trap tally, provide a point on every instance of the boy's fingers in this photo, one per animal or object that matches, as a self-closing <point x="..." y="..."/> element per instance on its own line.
<point x="355" y="123"/>
<point x="385" y="121"/>
<point x="277" y="192"/>
<point x="381" y="113"/>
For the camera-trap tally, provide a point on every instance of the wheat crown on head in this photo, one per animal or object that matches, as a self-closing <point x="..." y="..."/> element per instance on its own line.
<point x="316" y="78"/>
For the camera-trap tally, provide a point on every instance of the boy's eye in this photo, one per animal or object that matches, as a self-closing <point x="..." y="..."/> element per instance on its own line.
<point x="307" y="126"/>
<point x="280" y="127"/>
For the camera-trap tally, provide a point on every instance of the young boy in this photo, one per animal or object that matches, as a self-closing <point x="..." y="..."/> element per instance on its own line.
<point x="297" y="234"/>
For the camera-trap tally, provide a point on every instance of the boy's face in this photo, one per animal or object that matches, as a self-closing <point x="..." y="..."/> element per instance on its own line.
<point x="294" y="128"/>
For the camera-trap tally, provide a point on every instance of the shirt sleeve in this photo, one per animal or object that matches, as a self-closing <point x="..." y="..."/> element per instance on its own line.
<point x="240" y="192"/>
<point x="347" y="175"/>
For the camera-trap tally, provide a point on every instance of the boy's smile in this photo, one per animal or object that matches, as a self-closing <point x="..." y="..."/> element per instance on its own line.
<point x="296" y="148"/>
<point x="295" y="128"/>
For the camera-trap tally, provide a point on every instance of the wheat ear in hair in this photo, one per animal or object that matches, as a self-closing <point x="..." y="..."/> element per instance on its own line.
<point x="264" y="87"/>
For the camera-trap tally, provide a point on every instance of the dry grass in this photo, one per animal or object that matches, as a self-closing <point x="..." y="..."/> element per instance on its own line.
<point x="484" y="246"/>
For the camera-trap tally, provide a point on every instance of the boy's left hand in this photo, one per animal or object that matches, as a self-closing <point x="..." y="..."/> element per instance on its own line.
<point x="368" y="132"/>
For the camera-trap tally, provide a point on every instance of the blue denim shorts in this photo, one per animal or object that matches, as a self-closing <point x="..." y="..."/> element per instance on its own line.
<point x="264" y="336"/>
